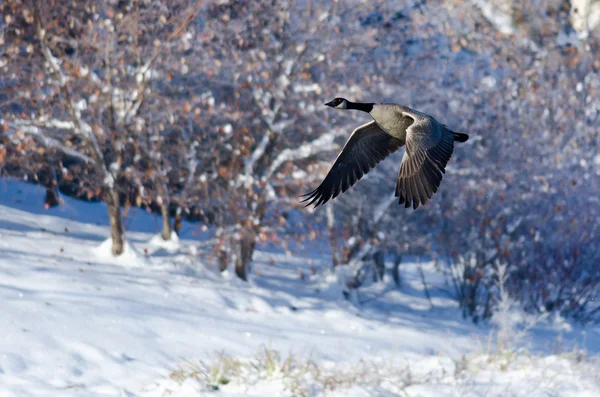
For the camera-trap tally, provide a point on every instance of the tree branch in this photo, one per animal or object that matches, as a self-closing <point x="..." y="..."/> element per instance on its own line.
<point x="319" y="145"/>
<point x="35" y="130"/>
<point x="142" y="73"/>
<point x="80" y="126"/>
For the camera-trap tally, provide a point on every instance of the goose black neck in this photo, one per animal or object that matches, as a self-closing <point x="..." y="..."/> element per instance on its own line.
<point x="365" y="107"/>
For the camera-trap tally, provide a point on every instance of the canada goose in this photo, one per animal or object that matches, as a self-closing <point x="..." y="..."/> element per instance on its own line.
<point x="429" y="146"/>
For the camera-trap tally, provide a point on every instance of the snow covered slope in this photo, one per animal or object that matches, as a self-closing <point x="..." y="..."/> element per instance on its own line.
<point x="76" y="322"/>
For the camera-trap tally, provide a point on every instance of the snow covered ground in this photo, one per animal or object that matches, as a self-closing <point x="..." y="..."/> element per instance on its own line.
<point x="160" y="321"/>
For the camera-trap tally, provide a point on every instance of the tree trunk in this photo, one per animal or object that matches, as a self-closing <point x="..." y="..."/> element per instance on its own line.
<point x="246" y="246"/>
<point x="249" y="230"/>
<point x="52" y="198"/>
<point x="116" y="225"/>
<point x="333" y="241"/>
<point x="379" y="265"/>
<point x="166" y="221"/>
<point x="222" y="260"/>
<point x="397" y="262"/>
<point x="164" y="210"/>
<point x="178" y="221"/>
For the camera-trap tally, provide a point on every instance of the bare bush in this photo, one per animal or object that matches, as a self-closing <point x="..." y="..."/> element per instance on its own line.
<point x="212" y="111"/>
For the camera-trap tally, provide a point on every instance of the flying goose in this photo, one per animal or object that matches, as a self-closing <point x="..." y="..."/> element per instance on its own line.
<point x="429" y="146"/>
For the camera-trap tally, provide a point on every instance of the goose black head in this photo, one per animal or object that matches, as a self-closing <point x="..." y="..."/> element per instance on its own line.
<point x="338" y="103"/>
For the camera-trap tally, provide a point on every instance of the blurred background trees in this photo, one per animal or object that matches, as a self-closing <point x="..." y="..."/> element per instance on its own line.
<point x="212" y="111"/>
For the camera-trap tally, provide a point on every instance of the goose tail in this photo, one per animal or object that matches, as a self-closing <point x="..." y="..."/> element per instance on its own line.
<point x="460" y="137"/>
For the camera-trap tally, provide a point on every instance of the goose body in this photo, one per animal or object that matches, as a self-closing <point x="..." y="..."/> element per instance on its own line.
<point x="429" y="146"/>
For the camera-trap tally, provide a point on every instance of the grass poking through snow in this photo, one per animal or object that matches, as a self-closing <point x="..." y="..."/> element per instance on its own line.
<point x="503" y="373"/>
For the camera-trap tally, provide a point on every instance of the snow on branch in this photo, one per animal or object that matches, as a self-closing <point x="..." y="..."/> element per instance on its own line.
<point x="81" y="127"/>
<point x="144" y="72"/>
<point x="133" y="107"/>
<point x="29" y="128"/>
<point x="263" y="100"/>
<point x="499" y="19"/>
<point x="257" y="154"/>
<point x="269" y="115"/>
<point x="319" y="145"/>
<point x="585" y="16"/>
<point x="50" y="58"/>
<point x="381" y="208"/>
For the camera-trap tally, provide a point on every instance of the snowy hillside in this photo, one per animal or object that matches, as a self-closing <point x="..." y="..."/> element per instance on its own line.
<point x="158" y="321"/>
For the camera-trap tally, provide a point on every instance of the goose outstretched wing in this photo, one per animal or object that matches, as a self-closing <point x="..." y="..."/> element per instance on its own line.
<point x="429" y="147"/>
<point x="367" y="146"/>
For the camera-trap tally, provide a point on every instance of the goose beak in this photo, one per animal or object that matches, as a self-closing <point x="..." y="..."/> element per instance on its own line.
<point x="329" y="104"/>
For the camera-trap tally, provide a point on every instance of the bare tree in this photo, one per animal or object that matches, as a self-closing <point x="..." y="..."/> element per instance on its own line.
<point x="271" y="61"/>
<point x="90" y="65"/>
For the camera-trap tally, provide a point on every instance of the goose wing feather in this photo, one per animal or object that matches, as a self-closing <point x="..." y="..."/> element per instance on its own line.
<point x="429" y="147"/>
<point x="367" y="146"/>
